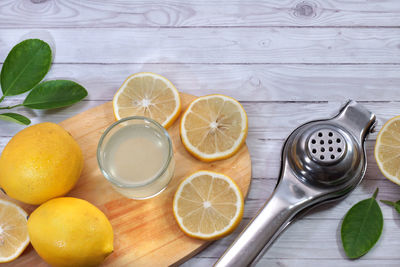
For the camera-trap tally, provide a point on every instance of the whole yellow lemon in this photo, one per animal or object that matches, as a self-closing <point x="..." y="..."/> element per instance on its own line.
<point x="41" y="162"/>
<point x="69" y="231"/>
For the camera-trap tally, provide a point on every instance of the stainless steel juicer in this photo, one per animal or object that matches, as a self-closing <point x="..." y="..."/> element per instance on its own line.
<point x="322" y="160"/>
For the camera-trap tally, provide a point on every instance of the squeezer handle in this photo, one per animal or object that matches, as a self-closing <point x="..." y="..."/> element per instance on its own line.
<point x="291" y="195"/>
<point x="263" y="228"/>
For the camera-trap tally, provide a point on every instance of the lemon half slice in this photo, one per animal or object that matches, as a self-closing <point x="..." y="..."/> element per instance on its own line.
<point x="214" y="127"/>
<point x="387" y="150"/>
<point x="149" y="95"/>
<point x="13" y="231"/>
<point x="208" y="205"/>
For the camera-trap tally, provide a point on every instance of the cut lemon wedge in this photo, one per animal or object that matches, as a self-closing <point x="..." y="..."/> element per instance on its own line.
<point x="387" y="150"/>
<point x="149" y="95"/>
<point x="213" y="127"/>
<point x="13" y="231"/>
<point x="208" y="205"/>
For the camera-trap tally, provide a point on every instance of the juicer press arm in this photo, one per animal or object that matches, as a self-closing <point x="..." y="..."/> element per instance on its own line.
<point x="269" y="222"/>
<point x="356" y="119"/>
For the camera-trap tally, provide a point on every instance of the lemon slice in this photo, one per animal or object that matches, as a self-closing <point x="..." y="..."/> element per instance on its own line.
<point x="213" y="127"/>
<point x="149" y="95"/>
<point x="387" y="150"/>
<point x="208" y="205"/>
<point x="13" y="231"/>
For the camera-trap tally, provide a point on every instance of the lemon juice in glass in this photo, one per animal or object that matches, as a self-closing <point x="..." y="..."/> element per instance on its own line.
<point x="135" y="154"/>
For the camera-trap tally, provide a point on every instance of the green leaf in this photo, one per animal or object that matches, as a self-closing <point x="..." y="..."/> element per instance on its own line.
<point x="396" y="205"/>
<point x="362" y="227"/>
<point x="25" y="66"/>
<point x="15" y="117"/>
<point x="55" y="94"/>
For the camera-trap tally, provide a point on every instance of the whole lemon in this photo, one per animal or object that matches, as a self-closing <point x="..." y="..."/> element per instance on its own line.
<point x="41" y="162"/>
<point x="69" y="231"/>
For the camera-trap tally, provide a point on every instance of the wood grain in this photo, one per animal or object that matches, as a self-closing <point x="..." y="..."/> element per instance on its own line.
<point x="267" y="120"/>
<point x="278" y="262"/>
<point x="323" y="242"/>
<point x="217" y="45"/>
<point x="145" y="232"/>
<point x="261" y="82"/>
<point x="191" y="13"/>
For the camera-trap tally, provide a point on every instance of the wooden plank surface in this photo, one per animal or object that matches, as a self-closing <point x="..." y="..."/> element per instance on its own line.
<point x="245" y="82"/>
<point x="288" y="61"/>
<point x="192" y="13"/>
<point x="267" y="120"/>
<point x="217" y="45"/>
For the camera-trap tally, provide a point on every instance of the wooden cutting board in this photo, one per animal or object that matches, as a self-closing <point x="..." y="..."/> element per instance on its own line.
<point x="145" y="231"/>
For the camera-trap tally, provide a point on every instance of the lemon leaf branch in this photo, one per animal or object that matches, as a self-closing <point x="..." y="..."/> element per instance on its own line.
<point x="23" y="70"/>
<point x="10" y="107"/>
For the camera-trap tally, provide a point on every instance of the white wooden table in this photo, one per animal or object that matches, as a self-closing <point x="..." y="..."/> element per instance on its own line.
<point x="287" y="61"/>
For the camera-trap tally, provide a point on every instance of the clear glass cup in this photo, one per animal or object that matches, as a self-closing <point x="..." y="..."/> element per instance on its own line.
<point x="135" y="155"/>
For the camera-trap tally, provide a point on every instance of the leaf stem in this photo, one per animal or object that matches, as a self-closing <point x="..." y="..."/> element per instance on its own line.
<point x="387" y="202"/>
<point x="10" y="107"/>
<point x="2" y="98"/>
<point x="375" y="193"/>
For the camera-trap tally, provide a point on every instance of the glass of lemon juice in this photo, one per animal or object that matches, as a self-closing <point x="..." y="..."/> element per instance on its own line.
<point x="135" y="154"/>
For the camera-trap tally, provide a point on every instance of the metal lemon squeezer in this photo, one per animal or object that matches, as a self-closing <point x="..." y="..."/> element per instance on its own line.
<point x="322" y="160"/>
